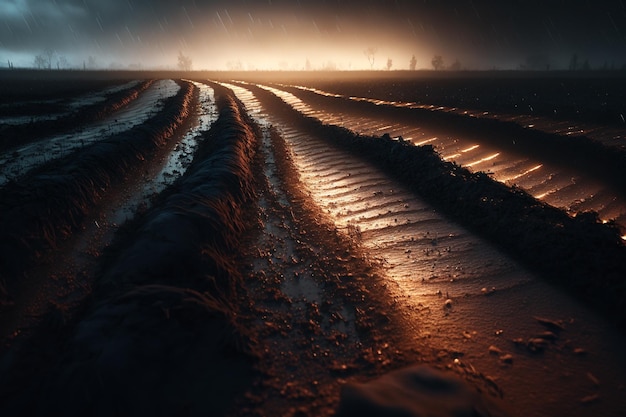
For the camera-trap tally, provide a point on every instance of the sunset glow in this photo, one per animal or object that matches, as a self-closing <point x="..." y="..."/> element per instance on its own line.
<point x="330" y="35"/>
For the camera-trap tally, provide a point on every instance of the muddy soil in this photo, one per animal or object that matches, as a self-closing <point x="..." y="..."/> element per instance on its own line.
<point x="460" y="302"/>
<point x="295" y="268"/>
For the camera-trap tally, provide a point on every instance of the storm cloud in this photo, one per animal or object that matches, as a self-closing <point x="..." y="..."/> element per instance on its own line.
<point x="285" y="34"/>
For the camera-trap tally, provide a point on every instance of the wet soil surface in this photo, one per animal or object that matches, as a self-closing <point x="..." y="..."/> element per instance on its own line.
<point x="243" y="260"/>
<point x="457" y="293"/>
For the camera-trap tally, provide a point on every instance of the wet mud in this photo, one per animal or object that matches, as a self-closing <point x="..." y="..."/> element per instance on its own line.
<point x="570" y="251"/>
<point x="292" y="267"/>
<point x="14" y="135"/>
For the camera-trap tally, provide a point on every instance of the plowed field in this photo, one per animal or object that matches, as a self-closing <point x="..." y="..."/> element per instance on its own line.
<point x="283" y="244"/>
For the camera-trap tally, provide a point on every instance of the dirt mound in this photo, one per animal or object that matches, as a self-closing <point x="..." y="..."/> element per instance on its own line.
<point x="415" y="392"/>
<point x="150" y="351"/>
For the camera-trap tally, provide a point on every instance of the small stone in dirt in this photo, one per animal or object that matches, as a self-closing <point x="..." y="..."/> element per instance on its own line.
<point x="494" y="350"/>
<point x="508" y="358"/>
<point x="488" y="291"/>
<point x="448" y="303"/>
<point x="518" y="341"/>
<point x="580" y="351"/>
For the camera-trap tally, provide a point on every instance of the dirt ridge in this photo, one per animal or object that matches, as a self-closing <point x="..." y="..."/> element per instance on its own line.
<point x="164" y="323"/>
<point x="580" y="254"/>
<point x="26" y="133"/>
<point x="575" y="151"/>
<point x="49" y="204"/>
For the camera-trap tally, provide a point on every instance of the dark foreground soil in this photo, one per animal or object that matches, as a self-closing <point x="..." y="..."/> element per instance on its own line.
<point x="234" y="294"/>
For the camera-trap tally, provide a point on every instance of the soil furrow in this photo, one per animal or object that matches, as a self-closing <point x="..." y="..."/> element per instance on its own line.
<point x="20" y="135"/>
<point x="51" y="203"/>
<point x="554" y="97"/>
<point x="437" y="271"/>
<point x="24" y="158"/>
<point x="162" y="328"/>
<point x="581" y="254"/>
<point x="580" y="156"/>
<point x="289" y="266"/>
<point x="318" y="302"/>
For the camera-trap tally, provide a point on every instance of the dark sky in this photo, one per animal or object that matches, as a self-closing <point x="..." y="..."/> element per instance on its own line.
<point x="279" y="34"/>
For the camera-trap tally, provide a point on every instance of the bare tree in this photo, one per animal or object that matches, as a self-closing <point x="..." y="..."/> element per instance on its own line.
<point x="48" y="54"/>
<point x="413" y="63"/>
<point x="456" y="65"/>
<point x="389" y="64"/>
<point x="370" y="53"/>
<point x="63" y="63"/>
<point x="184" y="62"/>
<point x="40" y="62"/>
<point x="437" y="62"/>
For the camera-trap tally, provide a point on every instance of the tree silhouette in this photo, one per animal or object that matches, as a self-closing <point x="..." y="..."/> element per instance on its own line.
<point x="413" y="63"/>
<point x="48" y="54"/>
<point x="63" y="63"/>
<point x="44" y="59"/>
<point x="184" y="62"/>
<point x="40" y="62"/>
<point x="437" y="62"/>
<point x="389" y="64"/>
<point x="370" y="53"/>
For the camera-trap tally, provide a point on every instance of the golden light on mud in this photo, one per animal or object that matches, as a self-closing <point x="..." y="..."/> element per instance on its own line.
<point x="424" y="142"/>
<point x="485" y="159"/>
<point x="471" y="148"/>
<point x="521" y="174"/>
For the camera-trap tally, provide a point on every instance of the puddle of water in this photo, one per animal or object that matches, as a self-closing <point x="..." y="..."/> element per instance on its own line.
<point x="177" y="161"/>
